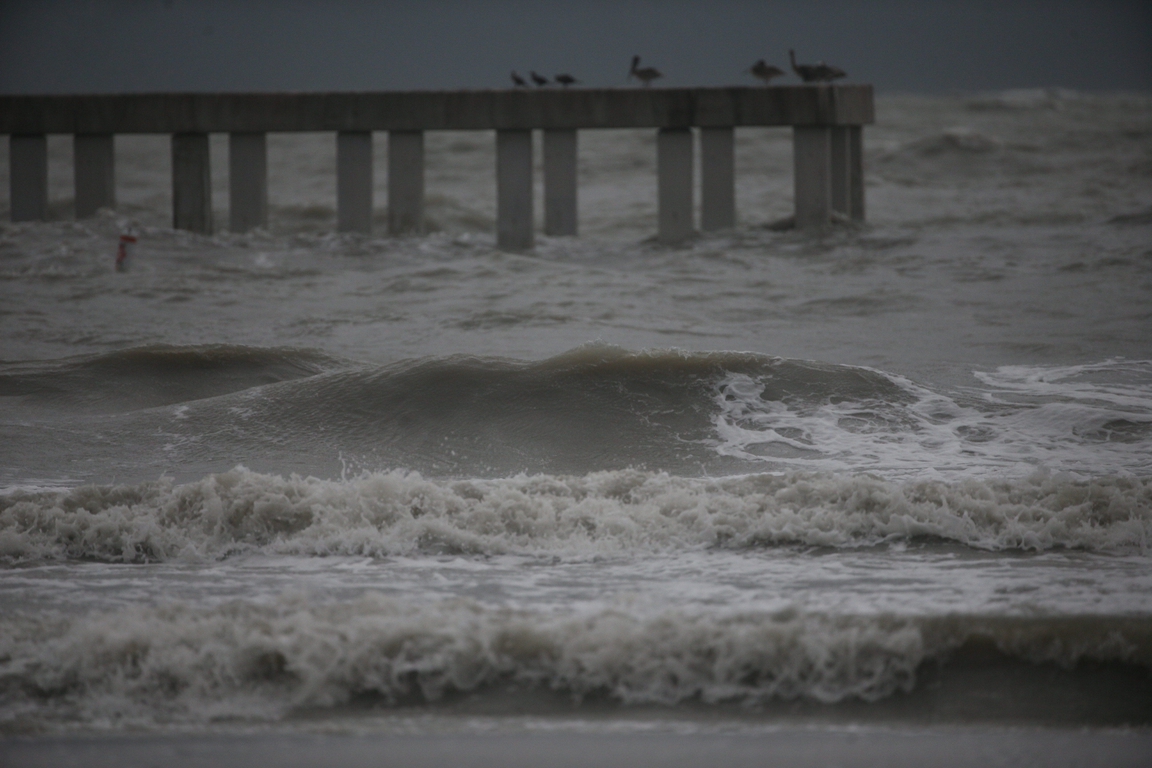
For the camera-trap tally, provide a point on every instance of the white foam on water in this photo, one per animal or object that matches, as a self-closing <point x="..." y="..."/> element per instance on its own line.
<point x="626" y="511"/>
<point x="1084" y="419"/>
<point x="175" y="662"/>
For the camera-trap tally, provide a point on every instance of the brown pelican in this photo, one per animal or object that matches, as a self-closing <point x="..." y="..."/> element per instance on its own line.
<point x="540" y="80"/>
<point x="646" y="75"/>
<point x="765" y="71"/>
<point x="518" y="81"/>
<point x="565" y="79"/>
<point x="815" y="73"/>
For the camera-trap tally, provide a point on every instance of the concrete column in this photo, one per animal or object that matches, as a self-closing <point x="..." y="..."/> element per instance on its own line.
<point x="354" y="181"/>
<point x="560" y="182"/>
<point x="94" y="173"/>
<point x="856" y="172"/>
<point x="812" y="176"/>
<point x="717" y="178"/>
<point x="514" y="190"/>
<point x="191" y="183"/>
<point x="674" y="183"/>
<point x="839" y="146"/>
<point x="28" y="176"/>
<point x="405" y="182"/>
<point x="247" y="181"/>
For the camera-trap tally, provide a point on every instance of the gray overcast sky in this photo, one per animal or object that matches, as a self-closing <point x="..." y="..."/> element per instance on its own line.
<point x="65" y="46"/>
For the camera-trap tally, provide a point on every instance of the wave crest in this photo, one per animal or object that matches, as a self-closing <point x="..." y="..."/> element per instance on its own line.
<point x="389" y="513"/>
<point x="176" y="663"/>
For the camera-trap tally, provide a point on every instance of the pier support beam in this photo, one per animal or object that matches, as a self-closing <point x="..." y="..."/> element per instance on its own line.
<point x="28" y="176"/>
<point x="560" y="182"/>
<point x="840" y="192"/>
<point x="514" y="190"/>
<point x="405" y="182"/>
<point x="354" y="181"/>
<point x="848" y="171"/>
<point x="812" y="176"/>
<point x="717" y="178"/>
<point x="674" y="183"/>
<point x="94" y="173"/>
<point x="191" y="183"/>
<point x="247" y="181"/>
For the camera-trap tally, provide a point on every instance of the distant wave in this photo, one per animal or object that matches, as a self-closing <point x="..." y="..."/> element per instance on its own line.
<point x="178" y="663"/>
<point x="147" y="377"/>
<point x="199" y="410"/>
<point x="606" y="512"/>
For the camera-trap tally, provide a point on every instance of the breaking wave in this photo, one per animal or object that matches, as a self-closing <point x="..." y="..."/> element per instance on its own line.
<point x="389" y="513"/>
<point x="202" y="410"/>
<point x="177" y="663"/>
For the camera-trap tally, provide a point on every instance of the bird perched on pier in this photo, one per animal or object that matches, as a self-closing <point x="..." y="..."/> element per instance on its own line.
<point x="645" y="75"/>
<point x="815" y="73"/>
<point x="765" y="71"/>
<point x="540" y="80"/>
<point x="565" y="79"/>
<point x="518" y="81"/>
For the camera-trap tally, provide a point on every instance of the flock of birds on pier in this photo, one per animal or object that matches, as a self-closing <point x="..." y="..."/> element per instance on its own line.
<point x="809" y="73"/>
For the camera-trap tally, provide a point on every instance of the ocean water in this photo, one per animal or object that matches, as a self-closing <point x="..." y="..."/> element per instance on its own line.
<point x="296" y="479"/>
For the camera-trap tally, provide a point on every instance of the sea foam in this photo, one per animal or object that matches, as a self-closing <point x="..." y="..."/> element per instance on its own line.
<point x="389" y="513"/>
<point x="178" y="663"/>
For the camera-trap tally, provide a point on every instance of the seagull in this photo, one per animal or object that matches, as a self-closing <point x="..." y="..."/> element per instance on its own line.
<point x="519" y="81"/>
<point x="565" y="79"/>
<point x="646" y="75"/>
<point x="540" y="80"/>
<point x="815" y="73"/>
<point x="765" y="71"/>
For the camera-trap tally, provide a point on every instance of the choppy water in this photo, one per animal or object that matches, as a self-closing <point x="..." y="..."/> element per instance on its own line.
<point x="294" y="474"/>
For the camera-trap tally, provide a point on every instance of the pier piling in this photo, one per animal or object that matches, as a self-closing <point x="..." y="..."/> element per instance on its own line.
<point x="847" y="172"/>
<point x="514" y="190"/>
<point x="191" y="183"/>
<point x="855" y="172"/>
<point x="812" y="176"/>
<point x="827" y="122"/>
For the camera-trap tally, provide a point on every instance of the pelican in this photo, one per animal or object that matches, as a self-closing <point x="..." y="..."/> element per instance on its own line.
<point x="565" y="79"/>
<point x="518" y="81"/>
<point x="815" y="73"/>
<point x="540" y="80"/>
<point x="646" y="75"/>
<point x="765" y="71"/>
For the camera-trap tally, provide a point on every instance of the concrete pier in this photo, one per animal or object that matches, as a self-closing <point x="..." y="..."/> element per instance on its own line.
<point x="827" y="121"/>
<point x="717" y="179"/>
<point x="848" y="172"/>
<point x="855" y="172"/>
<point x="28" y="176"/>
<point x="405" y="182"/>
<point x="247" y="181"/>
<point x="812" y="176"/>
<point x="94" y="173"/>
<point x="560" y="152"/>
<point x="354" y="181"/>
<point x="191" y="183"/>
<point x="514" y="190"/>
<point x="674" y="183"/>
